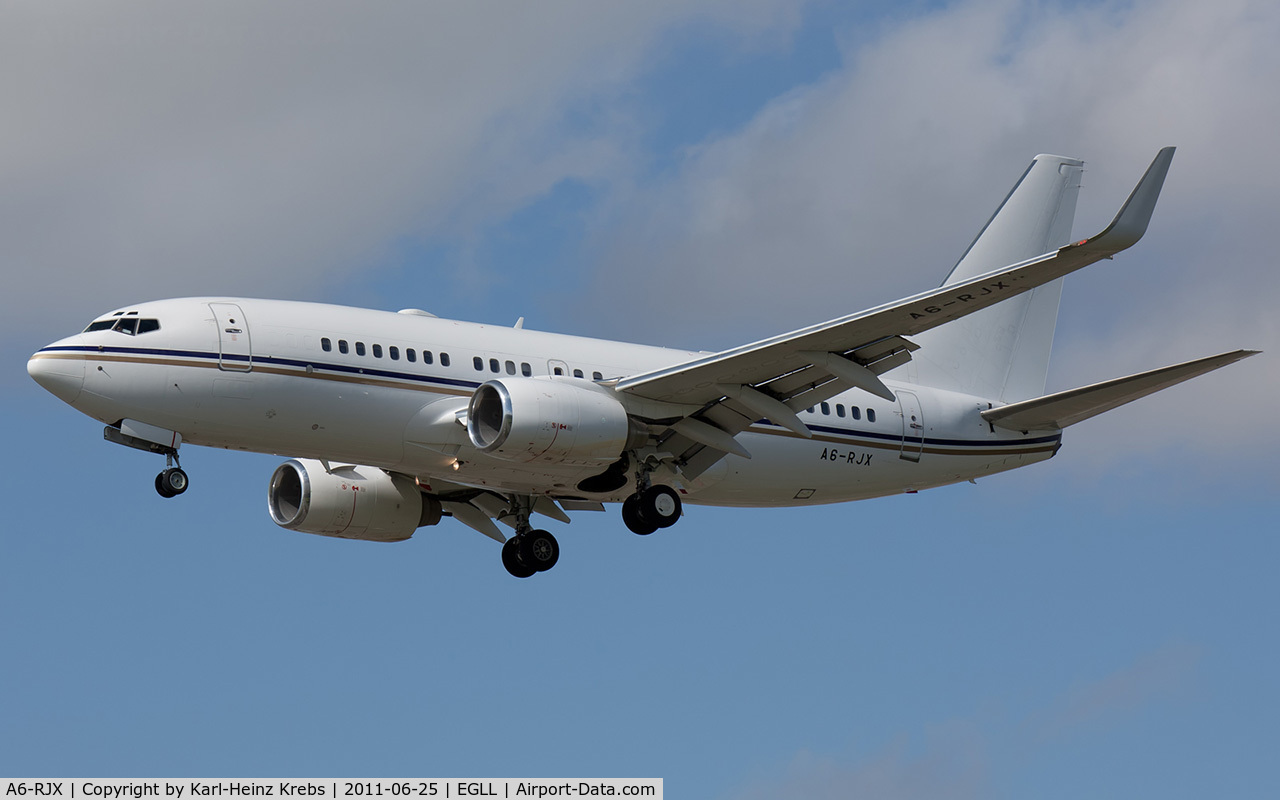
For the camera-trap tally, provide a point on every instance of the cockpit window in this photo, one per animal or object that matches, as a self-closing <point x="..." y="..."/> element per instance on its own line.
<point x="129" y="325"/>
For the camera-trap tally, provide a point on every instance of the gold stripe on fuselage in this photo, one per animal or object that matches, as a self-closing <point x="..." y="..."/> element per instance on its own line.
<point x="407" y="383"/>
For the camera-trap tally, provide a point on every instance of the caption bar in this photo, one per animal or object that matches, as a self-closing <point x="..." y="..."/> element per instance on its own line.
<point x="190" y="789"/>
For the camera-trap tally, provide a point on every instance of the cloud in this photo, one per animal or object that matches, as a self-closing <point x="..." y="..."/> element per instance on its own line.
<point x="868" y="184"/>
<point x="876" y="177"/>
<point x="950" y="762"/>
<point x="1152" y="677"/>
<point x="962" y="758"/>
<point x="152" y="150"/>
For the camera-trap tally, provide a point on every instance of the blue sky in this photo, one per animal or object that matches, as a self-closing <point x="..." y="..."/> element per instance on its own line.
<point x="689" y="174"/>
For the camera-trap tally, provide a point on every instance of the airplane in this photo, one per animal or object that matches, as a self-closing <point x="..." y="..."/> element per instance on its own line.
<point x="393" y="420"/>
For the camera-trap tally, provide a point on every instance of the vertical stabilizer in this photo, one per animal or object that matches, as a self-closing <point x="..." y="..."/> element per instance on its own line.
<point x="1003" y="352"/>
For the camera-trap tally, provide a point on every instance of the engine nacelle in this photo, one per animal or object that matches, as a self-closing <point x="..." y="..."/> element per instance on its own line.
<point x="349" y="502"/>
<point x="532" y="420"/>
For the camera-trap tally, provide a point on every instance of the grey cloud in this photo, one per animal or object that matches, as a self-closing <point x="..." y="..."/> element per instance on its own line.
<point x="868" y="185"/>
<point x="152" y="149"/>
<point x="949" y="761"/>
<point x="1152" y="677"/>
<point x="958" y="758"/>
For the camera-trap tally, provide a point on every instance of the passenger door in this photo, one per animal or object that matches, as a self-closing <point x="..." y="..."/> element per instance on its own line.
<point x="234" y="351"/>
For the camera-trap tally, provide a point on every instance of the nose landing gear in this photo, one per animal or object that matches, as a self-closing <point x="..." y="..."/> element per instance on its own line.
<point x="173" y="480"/>
<point x="141" y="436"/>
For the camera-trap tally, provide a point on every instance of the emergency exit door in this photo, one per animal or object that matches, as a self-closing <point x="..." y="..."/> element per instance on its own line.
<point x="912" y="426"/>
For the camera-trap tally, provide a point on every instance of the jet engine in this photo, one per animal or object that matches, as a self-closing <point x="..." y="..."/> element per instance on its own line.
<point x="348" y="501"/>
<point x="538" y="421"/>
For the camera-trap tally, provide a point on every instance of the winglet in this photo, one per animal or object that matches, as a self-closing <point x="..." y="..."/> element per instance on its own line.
<point x="1134" y="216"/>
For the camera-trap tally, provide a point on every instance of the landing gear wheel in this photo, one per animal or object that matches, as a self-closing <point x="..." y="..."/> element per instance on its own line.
<point x="172" y="482"/>
<point x="631" y="517"/>
<point x="659" y="506"/>
<point x="511" y="559"/>
<point x="539" y="550"/>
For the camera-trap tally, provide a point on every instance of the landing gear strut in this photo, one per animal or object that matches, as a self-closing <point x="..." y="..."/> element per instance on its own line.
<point x="530" y="550"/>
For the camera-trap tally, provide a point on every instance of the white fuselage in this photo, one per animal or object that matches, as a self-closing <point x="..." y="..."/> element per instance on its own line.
<point x="255" y="375"/>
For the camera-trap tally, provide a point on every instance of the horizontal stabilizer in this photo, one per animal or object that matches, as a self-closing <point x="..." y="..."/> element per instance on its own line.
<point x="1057" y="411"/>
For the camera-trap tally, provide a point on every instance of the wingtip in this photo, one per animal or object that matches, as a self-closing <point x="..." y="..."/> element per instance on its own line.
<point x="1130" y="223"/>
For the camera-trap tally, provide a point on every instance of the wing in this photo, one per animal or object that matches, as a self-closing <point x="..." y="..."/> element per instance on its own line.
<point x="775" y="377"/>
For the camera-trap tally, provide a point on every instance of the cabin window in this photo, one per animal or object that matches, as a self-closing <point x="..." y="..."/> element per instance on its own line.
<point x="394" y="352"/>
<point x="377" y="351"/>
<point x="511" y="367"/>
<point x="855" y="412"/>
<point x="597" y="376"/>
<point x="577" y="373"/>
<point x="826" y="409"/>
<point x="871" y="415"/>
<point x="493" y="365"/>
<point x="326" y="345"/>
<point x="810" y="409"/>
<point x="342" y="346"/>
<point x="428" y="358"/>
<point x="840" y="410"/>
<point x="478" y="363"/>
<point x="525" y="369"/>
<point x="444" y="360"/>
<point x="558" y="371"/>
<point x="411" y="355"/>
<point x="359" y="348"/>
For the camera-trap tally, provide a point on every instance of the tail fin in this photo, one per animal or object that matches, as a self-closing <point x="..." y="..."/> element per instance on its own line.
<point x="1003" y="352"/>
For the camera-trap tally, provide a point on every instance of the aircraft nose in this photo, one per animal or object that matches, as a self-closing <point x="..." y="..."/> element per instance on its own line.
<point x="61" y="375"/>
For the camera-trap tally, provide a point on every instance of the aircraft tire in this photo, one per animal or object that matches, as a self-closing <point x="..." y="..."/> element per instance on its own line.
<point x="659" y="505"/>
<point x="538" y="550"/>
<point x="175" y="481"/>
<point x="161" y="488"/>
<point x="511" y="559"/>
<point x="631" y="517"/>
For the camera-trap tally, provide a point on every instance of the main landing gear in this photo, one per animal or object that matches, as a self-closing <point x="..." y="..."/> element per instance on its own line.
<point x="651" y="507"/>
<point x="530" y="550"/>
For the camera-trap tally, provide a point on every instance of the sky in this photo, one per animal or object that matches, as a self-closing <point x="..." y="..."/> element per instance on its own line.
<point x="693" y="174"/>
